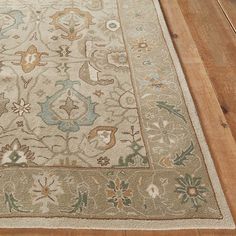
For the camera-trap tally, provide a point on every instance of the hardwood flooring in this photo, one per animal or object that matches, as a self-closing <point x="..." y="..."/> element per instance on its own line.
<point x="204" y="37"/>
<point x="216" y="44"/>
<point x="228" y="7"/>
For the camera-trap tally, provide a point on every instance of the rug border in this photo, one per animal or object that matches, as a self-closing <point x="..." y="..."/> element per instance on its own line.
<point x="227" y="221"/>
<point x="195" y="118"/>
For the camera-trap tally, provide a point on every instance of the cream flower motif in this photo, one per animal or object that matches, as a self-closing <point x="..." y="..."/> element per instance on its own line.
<point x="153" y="191"/>
<point x="113" y="25"/>
<point x="110" y="25"/>
<point x="45" y="190"/>
<point x="21" y="107"/>
<point x="164" y="132"/>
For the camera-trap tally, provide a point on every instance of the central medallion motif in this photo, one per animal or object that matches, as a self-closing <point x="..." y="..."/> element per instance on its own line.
<point x="68" y="109"/>
<point x="72" y="21"/>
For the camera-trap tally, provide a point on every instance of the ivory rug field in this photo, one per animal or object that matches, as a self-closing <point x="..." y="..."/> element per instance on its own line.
<point x="97" y="125"/>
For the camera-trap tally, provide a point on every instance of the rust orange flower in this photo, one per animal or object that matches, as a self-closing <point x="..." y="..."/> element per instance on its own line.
<point x="119" y="193"/>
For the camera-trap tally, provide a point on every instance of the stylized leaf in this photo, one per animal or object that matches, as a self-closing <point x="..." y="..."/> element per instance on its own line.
<point x="11" y="202"/>
<point x="126" y="201"/>
<point x="80" y="203"/>
<point x="171" y="109"/>
<point x="180" y="159"/>
<point x="111" y="184"/>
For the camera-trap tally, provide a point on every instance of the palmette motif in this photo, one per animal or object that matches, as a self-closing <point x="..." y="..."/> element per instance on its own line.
<point x="93" y="123"/>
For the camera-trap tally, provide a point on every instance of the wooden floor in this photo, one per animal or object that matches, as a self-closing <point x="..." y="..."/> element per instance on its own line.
<point x="204" y="35"/>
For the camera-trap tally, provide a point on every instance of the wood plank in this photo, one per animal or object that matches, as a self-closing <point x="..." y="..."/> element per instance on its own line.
<point x="67" y="232"/>
<point x="61" y="232"/>
<point x="229" y="9"/>
<point x="219" y="138"/>
<point x="216" y="43"/>
<point x="217" y="233"/>
<point x="163" y="233"/>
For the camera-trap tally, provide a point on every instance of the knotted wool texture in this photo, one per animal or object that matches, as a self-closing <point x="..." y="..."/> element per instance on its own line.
<point x="97" y="125"/>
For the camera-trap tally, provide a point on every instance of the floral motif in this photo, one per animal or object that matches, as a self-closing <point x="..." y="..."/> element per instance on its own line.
<point x="72" y="21"/>
<point x="16" y="154"/>
<point x="45" y="190"/>
<point x="69" y="106"/>
<point x="143" y="45"/>
<point x="191" y="189"/>
<point x="110" y="25"/>
<point x="21" y="107"/>
<point x="153" y="191"/>
<point x="163" y="132"/>
<point x="30" y="59"/>
<point x="119" y="193"/>
<point x="103" y="161"/>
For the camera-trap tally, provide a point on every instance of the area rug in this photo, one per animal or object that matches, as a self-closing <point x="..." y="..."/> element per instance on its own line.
<point x="97" y="125"/>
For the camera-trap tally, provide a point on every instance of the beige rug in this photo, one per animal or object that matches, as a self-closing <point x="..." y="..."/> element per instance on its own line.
<point x="97" y="125"/>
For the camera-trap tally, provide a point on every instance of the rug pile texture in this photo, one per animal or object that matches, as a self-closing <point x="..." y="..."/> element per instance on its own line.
<point x="97" y="125"/>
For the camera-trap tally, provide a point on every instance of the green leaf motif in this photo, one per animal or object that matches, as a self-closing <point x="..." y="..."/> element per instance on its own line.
<point x="135" y="148"/>
<point x="127" y="160"/>
<point x="111" y="185"/>
<point x="124" y="185"/>
<point x="130" y="159"/>
<point x="126" y="201"/>
<point x="180" y="159"/>
<point x="11" y="203"/>
<point x="81" y="202"/>
<point x="171" y="109"/>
